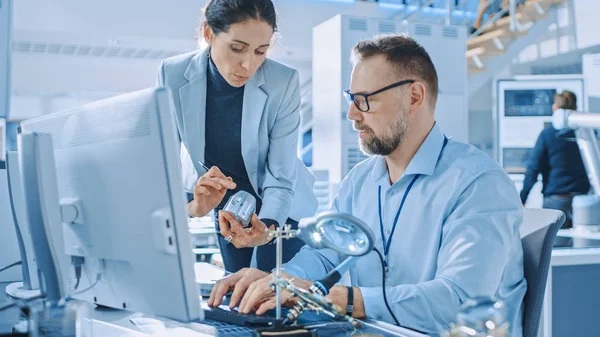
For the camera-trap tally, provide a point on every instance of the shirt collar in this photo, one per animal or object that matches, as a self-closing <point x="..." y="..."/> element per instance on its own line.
<point x="423" y="162"/>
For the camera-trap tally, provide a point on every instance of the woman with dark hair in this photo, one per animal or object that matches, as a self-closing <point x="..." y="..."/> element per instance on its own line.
<point x="238" y="112"/>
<point x="556" y="156"/>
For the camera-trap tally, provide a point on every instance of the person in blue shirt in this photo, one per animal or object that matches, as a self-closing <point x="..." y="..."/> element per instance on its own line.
<point x="557" y="158"/>
<point x="238" y="112"/>
<point x="458" y="213"/>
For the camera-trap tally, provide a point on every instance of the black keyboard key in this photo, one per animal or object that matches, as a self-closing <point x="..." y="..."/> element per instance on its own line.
<point x="236" y="318"/>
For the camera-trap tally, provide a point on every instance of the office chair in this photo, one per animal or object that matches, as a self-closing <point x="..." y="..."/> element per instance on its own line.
<point x="537" y="237"/>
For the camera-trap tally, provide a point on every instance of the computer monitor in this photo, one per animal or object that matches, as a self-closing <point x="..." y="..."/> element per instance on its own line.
<point x="122" y="204"/>
<point x="40" y="193"/>
<point x="30" y="285"/>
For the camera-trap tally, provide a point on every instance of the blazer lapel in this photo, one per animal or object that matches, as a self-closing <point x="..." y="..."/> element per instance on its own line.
<point x="252" y="112"/>
<point x="193" y="105"/>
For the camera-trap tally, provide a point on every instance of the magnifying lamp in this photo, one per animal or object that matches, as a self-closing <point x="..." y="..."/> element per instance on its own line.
<point x="340" y="232"/>
<point x="337" y="231"/>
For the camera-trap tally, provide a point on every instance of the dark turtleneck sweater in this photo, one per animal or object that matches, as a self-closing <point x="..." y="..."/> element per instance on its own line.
<point x="223" y="130"/>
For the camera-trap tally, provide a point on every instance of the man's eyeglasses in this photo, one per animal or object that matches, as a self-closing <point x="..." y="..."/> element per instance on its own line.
<point x="362" y="100"/>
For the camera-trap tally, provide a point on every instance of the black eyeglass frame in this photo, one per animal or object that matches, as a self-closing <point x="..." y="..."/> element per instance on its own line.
<point x="350" y="96"/>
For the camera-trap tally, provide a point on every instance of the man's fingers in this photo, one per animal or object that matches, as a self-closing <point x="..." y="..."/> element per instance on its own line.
<point x="219" y="290"/>
<point x="241" y="287"/>
<point x="266" y="306"/>
<point x="223" y="286"/>
<point x="261" y="291"/>
<point x="213" y="292"/>
<point x="247" y="295"/>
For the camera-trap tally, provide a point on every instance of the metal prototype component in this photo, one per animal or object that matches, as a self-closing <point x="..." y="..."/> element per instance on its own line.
<point x="241" y="205"/>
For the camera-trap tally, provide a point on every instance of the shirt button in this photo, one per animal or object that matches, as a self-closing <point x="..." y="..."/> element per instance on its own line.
<point x="388" y="231"/>
<point x="390" y="193"/>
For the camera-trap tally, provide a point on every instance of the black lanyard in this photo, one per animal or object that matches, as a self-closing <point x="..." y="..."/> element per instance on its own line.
<point x="386" y="245"/>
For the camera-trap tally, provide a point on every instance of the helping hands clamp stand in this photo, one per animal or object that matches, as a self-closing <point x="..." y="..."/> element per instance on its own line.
<point x="312" y="299"/>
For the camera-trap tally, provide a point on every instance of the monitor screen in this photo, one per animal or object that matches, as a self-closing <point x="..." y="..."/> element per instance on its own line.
<point x="528" y="102"/>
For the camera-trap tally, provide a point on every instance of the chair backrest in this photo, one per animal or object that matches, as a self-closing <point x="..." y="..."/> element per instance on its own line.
<point x="538" y="231"/>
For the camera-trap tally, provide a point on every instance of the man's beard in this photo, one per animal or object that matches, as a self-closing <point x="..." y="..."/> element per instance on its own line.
<point x="386" y="144"/>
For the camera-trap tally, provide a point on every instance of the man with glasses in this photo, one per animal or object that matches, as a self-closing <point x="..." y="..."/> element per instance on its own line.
<point x="446" y="217"/>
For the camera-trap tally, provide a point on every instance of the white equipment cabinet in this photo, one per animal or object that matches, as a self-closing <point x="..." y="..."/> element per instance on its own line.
<point x="335" y="142"/>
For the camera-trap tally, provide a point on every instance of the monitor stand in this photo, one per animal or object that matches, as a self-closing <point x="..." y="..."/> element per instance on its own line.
<point x="18" y="291"/>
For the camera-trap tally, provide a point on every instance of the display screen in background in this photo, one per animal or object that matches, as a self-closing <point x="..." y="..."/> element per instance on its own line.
<point x="514" y="159"/>
<point x="528" y="102"/>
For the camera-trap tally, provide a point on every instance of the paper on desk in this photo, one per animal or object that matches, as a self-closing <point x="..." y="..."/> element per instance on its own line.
<point x="164" y="327"/>
<point x="207" y="273"/>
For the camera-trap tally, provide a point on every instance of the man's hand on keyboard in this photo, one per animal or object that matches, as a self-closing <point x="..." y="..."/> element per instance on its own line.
<point x="238" y="282"/>
<point x="260" y="297"/>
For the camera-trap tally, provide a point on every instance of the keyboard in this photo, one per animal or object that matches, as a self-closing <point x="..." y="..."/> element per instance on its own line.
<point x="229" y="330"/>
<point x="236" y="318"/>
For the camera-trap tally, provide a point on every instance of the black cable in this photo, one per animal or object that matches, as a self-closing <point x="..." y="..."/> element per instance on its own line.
<point x="77" y="276"/>
<point x="10" y="266"/>
<point x="383" y="286"/>
<point x="88" y="288"/>
<point x="77" y="262"/>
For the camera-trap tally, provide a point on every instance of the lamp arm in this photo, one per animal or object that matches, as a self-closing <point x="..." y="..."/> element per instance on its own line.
<point x="325" y="284"/>
<point x="310" y="300"/>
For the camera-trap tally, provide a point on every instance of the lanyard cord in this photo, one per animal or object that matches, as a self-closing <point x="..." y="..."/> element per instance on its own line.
<point x="386" y="245"/>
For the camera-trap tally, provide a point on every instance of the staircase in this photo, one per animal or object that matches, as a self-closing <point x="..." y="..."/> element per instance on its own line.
<point x="499" y="40"/>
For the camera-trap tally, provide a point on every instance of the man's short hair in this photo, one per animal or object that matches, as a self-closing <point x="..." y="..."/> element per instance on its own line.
<point x="409" y="58"/>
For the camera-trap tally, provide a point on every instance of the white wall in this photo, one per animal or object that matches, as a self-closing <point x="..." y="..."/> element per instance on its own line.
<point x="110" y="18"/>
<point x="298" y="17"/>
<point x="586" y="12"/>
<point x="560" y="38"/>
<point x="171" y="24"/>
<point x="481" y="111"/>
<point x="159" y="26"/>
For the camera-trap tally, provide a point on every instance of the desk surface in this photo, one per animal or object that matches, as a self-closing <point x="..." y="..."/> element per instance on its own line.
<point x="117" y="323"/>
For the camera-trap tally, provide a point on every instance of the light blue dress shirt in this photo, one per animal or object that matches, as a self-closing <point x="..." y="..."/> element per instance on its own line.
<point x="456" y="238"/>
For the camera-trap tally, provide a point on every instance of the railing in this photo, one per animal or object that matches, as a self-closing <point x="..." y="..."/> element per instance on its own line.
<point x="511" y="9"/>
<point x="409" y="15"/>
<point x="452" y="6"/>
